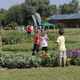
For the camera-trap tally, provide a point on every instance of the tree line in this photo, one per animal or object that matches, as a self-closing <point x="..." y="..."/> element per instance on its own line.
<point x="21" y="14"/>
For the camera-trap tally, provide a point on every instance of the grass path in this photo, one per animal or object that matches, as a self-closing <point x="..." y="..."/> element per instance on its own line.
<point x="28" y="53"/>
<point x="68" y="73"/>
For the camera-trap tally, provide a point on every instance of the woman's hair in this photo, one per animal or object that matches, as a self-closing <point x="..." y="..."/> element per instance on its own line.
<point x="61" y="31"/>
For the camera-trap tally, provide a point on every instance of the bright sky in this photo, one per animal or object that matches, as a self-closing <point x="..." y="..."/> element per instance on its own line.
<point x="6" y="4"/>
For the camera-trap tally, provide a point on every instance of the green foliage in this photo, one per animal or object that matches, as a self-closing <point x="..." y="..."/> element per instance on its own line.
<point x="18" y="48"/>
<point x="60" y="25"/>
<point x="77" y="26"/>
<point x="2" y="60"/>
<point x="52" y="10"/>
<point x="42" y="7"/>
<point x="41" y="59"/>
<point x="43" y="19"/>
<point x="70" y="8"/>
<point x="13" y="15"/>
<point x="3" y="11"/>
<point x="11" y="37"/>
<point x="64" y="9"/>
<point x="16" y="37"/>
<point x="12" y="25"/>
<point x="21" y="14"/>
<point x="2" y="14"/>
<point x="21" y="61"/>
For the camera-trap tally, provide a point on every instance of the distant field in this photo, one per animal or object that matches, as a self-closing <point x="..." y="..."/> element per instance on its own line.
<point x="52" y="44"/>
<point x="73" y="37"/>
<point x="45" y="73"/>
<point x="66" y="29"/>
<point x="72" y="29"/>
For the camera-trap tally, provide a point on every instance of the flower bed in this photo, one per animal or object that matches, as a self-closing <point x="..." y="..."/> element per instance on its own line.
<point x="73" y="56"/>
<point x="40" y="59"/>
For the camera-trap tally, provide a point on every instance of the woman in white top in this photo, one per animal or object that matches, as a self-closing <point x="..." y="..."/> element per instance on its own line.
<point x="44" y="39"/>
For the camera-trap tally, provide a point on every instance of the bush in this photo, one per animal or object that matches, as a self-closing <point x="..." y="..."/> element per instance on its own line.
<point x="60" y="25"/>
<point x="77" y="26"/>
<point x="12" y="25"/>
<point x="2" y="60"/>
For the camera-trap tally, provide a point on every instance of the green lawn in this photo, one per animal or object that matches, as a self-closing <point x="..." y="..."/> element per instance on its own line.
<point x="45" y="73"/>
<point x="73" y="37"/>
<point x="66" y="29"/>
<point x="28" y="53"/>
<point x="68" y="73"/>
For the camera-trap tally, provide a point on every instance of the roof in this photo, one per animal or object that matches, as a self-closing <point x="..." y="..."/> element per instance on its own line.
<point x="65" y="16"/>
<point x="46" y="24"/>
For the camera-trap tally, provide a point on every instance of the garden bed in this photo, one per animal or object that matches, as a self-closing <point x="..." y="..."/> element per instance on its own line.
<point x="40" y="59"/>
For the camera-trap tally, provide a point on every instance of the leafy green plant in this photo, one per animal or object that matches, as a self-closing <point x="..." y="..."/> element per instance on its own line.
<point x="77" y="26"/>
<point x="21" y="61"/>
<point x="12" y="25"/>
<point x="60" y="25"/>
<point x="2" y="60"/>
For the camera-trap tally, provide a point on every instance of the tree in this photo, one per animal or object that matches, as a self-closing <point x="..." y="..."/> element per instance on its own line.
<point x="2" y="14"/>
<point x="52" y="10"/>
<point x="2" y="11"/>
<point x="13" y="15"/>
<point x="74" y="6"/>
<point x="43" y="19"/>
<point x="42" y="7"/>
<point x="26" y="11"/>
<point x="64" y="9"/>
<point x="70" y="8"/>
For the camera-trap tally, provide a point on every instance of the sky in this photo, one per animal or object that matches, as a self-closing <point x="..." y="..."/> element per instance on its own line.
<point x="6" y="4"/>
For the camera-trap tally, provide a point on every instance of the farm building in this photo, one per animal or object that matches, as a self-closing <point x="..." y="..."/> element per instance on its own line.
<point x="70" y="20"/>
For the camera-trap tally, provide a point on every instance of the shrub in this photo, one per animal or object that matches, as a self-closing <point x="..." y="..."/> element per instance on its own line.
<point x="2" y="60"/>
<point x="60" y="25"/>
<point x="77" y="26"/>
<point x="12" y="25"/>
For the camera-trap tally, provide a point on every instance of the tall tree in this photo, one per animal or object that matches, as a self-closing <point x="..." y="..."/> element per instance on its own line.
<point x="74" y="6"/>
<point x="26" y="11"/>
<point x="42" y="7"/>
<point x="2" y="14"/>
<point x="70" y="8"/>
<point x="13" y="15"/>
<point x="2" y="11"/>
<point x="64" y="9"/>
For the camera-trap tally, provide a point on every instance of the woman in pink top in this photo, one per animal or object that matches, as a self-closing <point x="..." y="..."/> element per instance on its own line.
<point x="35" y="29"/>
